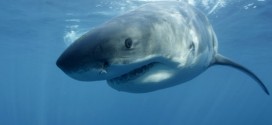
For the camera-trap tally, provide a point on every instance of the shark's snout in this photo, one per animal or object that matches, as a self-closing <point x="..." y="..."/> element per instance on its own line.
<point x="68" y="64"/>
<point x="83" y="61"/>
<point x="61" y="64"/>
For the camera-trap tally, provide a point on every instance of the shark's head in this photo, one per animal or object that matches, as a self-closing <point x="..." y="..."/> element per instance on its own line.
<point x="118" y="51"/>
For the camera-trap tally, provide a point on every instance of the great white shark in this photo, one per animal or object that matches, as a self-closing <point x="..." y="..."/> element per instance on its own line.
<point x="158" y="45"/>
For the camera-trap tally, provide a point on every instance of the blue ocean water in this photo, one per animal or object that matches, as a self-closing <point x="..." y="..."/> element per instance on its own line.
<point x="33" y="91"/>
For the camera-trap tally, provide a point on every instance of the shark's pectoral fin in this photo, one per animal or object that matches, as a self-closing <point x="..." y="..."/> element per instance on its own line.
<point x="221" y="60"/>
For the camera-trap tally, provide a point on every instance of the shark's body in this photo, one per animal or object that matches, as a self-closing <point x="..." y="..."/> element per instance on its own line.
<point x="156" y="46"/>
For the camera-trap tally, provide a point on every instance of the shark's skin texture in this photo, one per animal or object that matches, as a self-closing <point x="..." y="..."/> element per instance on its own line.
<point x="158" y="45"/>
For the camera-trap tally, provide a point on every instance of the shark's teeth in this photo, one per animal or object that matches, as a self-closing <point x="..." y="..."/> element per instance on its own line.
<point x="132" y="74"/>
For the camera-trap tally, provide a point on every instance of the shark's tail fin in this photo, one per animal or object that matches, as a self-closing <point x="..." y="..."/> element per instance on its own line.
<point x="221" y="60"/>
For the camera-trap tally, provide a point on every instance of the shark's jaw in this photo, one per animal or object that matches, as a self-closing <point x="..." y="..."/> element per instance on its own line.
<point x="116" y="74"/>
<point x="147" y="78"/>
<point x="132" y="75"/>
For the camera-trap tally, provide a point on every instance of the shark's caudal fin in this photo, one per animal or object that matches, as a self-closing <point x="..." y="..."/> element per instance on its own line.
<point x="221" y="60"/>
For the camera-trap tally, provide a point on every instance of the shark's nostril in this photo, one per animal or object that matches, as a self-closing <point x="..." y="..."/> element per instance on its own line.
<point x="103" y="66"/>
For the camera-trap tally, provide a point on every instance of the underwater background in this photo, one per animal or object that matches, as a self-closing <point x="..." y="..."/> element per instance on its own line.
<point x="33" y="91"/>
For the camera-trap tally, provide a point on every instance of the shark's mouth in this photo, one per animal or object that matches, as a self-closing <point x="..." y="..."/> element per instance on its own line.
<point x="132" y="75"/>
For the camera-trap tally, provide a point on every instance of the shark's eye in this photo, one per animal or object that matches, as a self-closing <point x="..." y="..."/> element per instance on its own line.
<point x="128" y="43"/>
